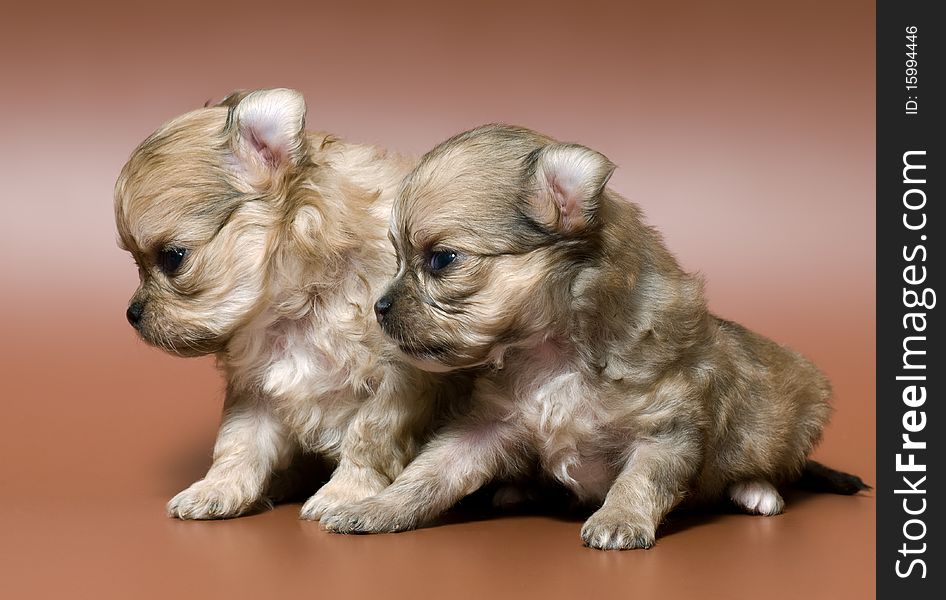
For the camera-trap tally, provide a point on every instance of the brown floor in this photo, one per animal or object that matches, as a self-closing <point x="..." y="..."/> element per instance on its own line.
<point x="744" y="129"/>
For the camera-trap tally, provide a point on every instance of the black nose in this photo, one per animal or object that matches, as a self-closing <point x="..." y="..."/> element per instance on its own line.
<point x="382" y="306"/>
<point x="133" y="314"/>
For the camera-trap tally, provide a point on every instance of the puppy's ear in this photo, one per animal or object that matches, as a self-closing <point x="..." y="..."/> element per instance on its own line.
<point x="231" y="99"/>
<point x="267" y="132"/>
<point x="569" y="180"/>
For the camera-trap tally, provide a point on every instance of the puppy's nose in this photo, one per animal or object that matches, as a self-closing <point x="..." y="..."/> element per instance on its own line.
<point x="134" y="312"/>
<point x="382" y="306"/>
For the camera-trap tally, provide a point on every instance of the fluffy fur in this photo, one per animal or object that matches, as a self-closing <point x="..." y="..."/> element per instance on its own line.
<point x="601" y="361"/>
<point x="283" y="237"/>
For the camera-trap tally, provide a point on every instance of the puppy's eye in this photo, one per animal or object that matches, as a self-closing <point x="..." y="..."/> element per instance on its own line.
<point x="170" y="259"/>
<point x="440" y="260"/>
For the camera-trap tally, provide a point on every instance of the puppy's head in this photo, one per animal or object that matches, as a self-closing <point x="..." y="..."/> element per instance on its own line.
<point x="196" y="206"/>
<point x="490" y="230"/>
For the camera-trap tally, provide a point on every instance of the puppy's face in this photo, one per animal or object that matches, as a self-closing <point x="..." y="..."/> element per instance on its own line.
<point x="489" y="230"/>
<point x="196" y="208"/>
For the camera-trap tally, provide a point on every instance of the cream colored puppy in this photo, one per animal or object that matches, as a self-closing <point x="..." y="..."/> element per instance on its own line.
<point x="602" y="362"/>
<point x="266" y="246"/>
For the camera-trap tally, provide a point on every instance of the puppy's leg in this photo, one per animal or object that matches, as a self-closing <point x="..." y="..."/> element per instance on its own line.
<point x="351" y="481"/>
<point x="653" y="481"/>
<point x="378" y="444"/>
<point x="250" y="444"/>
<point x="757" y="497"/>
<point x="454" y="464"/>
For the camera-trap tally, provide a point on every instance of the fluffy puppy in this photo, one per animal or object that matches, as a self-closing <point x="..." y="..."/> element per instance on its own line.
<point x="604" y="364"/>
<point x="266" y="246"/>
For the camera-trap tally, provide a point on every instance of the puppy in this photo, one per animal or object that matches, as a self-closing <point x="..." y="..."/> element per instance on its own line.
<point x="604" y="364"/>
<point x="266" y="246"/>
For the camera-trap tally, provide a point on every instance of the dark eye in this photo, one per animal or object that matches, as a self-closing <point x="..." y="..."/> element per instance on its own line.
<point x="441" y="259"/>
<point x="170" y="259"/>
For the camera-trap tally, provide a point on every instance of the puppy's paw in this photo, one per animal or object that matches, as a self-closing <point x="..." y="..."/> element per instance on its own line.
<point x="369" y="516"/>
<point x="212" y="500"/>
<point x="757" y="497"/>
<point x="343" y="489"/>
<point x="612" y="529"/>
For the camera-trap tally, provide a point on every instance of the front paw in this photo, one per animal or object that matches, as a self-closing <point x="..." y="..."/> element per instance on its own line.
<point x="368" y="516"/>
<point x="613" y="529"/>
<point x="218" y="499"/>
<point x="342" y="490"/>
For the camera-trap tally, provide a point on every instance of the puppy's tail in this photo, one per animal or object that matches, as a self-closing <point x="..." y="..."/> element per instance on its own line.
<point x="816" y="477"/>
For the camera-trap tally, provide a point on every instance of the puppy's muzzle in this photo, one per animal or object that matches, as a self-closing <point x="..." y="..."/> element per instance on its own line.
<point x="134" y="313"/>
<point x="383" y="307"/>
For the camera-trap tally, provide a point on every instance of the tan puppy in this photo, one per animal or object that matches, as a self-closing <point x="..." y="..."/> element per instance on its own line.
<point x="604" y="364"/>
<point x="267" y="246"/>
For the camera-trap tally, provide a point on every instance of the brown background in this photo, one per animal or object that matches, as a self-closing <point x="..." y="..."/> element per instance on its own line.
<point x="745" y="129"/>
